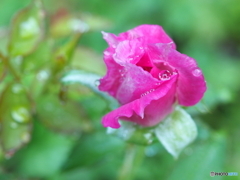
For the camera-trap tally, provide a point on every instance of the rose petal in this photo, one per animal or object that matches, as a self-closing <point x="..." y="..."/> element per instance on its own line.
<point x="129" y="51"/>
<point x="191" y="83"/>
<point x="150" y="34"/>
<point x="147" y="110"/>
<point x="111" y="39"/>
<point x="127" y="82"/>
<point x="110" y="82"/>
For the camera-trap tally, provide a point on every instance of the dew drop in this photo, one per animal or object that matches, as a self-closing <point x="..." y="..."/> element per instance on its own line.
<point x="79" y="26"/>
<point x="151" y="90"/>
<point x="97" y="82"/>
<point x="197" y="72"/>
<point x="146" y="93"/>
<point x="42" y="75"/>
<point x="164" y="75"/>
<point x="29" y="28"/>
<point x="20" y="115"/>
<point x="17" y="88"/>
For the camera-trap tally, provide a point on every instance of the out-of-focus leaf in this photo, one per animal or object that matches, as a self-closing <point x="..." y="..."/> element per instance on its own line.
<point x="4" y="40"/>
<point x="2" y="68"/>
<point x="209" y="28"/>
<point x="67" y="117"/>
<point x="89" y="80"/>
<point x="206" y="157"/>
<point x="15" y="118"/>
<point x="96" y="23"/>
<point x="133" y="134"/>
<point x="38" y="60"/>
<point x="44" y="155"/>
<point x="93" y="148"/>
<point x="64" y="23"/>
<point x="88" y="60"/>
<point x="177" y="131"/>
<point x="26" y="29"/>
<point x="63" y="54"/>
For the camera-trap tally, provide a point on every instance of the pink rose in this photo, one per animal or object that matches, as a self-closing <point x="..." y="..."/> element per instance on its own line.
<point x="148" y="76"/>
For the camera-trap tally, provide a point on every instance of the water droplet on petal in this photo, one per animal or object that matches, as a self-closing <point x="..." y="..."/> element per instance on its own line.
<point x="146" y="93"/>
<point x="20" y="115"/>
<point x="151" y="90"/>
<point x="197" y="72"/>
<point x="164" y="75"/>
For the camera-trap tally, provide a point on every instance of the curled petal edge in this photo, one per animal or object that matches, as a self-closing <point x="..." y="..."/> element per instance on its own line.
<point x="137" y="107"/>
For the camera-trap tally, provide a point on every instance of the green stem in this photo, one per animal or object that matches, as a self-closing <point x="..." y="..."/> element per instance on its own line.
<point x="133" y="159"/>
<point x="11" y="69"/>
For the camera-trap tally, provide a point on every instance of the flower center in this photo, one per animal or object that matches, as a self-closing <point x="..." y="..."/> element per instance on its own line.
<point x="164" y="75"/>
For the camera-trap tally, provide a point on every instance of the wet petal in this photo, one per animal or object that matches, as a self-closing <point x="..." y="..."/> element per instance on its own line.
<point x="111" y="81"/>
<point x="148" y="110"/>
<point x="127" y="82"/>
<point x="110" y="38"/>
<point x="150" y="34"/>
<point x="191" y="84"/>
<point x="129" y="51"/>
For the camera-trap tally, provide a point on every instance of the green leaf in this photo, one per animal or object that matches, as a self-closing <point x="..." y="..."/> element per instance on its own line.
<point x="64" y="24"/>
<point x="63" y="55"/>
<point x="15" y="118"/>
<point x="44" y="155"/>
<point x="26" y="29"/>
<point x="96" y="23"/>
<point x="67" y="117"/>
<point x="89" y="80"/>
<point x="133" y="133"/>
<point x="202" y="158"/>
<point x="91" y="61"/>
<point x="176" y="132"/>
<point x="94" y="148"/>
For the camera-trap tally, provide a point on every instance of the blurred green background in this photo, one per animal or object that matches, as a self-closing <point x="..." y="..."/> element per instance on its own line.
<point x="62" y="138"/>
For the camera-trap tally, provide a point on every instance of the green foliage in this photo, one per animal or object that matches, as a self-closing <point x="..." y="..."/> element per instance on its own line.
<point x="26" y="30"/>
<point x="51" y="109"/>
<point x="176" y="131"/>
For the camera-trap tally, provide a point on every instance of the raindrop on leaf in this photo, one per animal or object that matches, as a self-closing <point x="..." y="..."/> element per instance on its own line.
<point x="20" y="115"/>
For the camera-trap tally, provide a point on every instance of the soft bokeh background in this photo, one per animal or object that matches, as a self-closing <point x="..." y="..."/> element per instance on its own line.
<point x="68" y="141"/>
